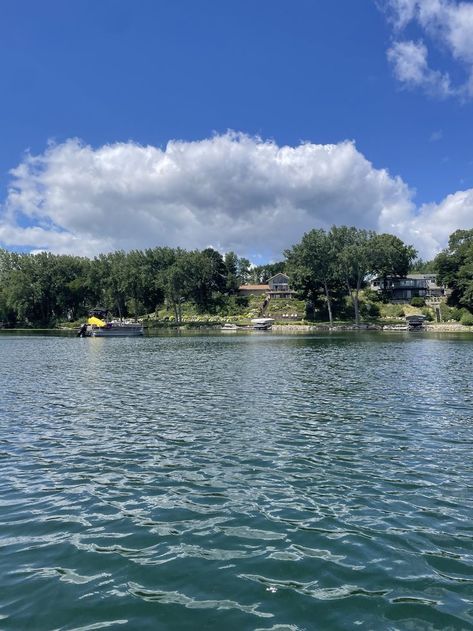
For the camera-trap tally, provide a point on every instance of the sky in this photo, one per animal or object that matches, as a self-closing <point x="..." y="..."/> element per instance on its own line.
<point x="237" y="125"/>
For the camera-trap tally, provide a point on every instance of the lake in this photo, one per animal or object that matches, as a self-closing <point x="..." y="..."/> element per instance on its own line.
<point x="236" y="481"/>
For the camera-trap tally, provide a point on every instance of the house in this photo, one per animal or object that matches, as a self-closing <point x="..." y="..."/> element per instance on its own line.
<point x="276" y="287"/>
<point x="403" y="289"/>
<point x="279" y="286"/>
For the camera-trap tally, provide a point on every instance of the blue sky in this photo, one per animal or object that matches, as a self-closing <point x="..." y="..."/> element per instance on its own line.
<point x="122" y="76"/>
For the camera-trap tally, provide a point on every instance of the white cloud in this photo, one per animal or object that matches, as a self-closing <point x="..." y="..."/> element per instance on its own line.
<point x="449" y="26"/>
<point x="430" y="228"/>
<point x="409" y="60"/>
<point x="230" y="191"/>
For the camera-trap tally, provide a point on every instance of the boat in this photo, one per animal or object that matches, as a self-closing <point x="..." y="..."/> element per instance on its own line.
<point x="115" y="329"/>
<point x="99" y="325"/>
<point x="262" y="324"/>
<point x="228" y="326"/>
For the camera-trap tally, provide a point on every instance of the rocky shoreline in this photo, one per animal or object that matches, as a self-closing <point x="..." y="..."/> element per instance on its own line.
<point x="446" y="327"/>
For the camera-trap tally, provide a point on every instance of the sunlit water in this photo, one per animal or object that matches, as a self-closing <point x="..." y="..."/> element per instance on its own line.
<point x="241" y="481"/>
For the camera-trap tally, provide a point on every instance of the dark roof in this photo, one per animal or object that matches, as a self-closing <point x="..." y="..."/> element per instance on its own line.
<point x="279" y="274"/>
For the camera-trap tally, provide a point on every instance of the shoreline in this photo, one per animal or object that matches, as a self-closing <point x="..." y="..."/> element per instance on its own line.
<point x="445" y="327"/>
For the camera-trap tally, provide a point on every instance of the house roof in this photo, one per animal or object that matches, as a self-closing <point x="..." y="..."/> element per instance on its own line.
<point x="406" y="277"/>
<point x="252" y="287"/>
<point x="279" y="274"/>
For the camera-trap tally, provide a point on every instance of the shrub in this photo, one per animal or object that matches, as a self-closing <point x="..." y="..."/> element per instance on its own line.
<point x="371" y="295"/>
<point x="370" y="309"/>
<point x="428" y="314"/>
<point x="456" y="314"/>
<point x="417" y="301"/>
<point x="467" y="319"/>
<point x="445" y="312"/>
<point x="392" y="311"/>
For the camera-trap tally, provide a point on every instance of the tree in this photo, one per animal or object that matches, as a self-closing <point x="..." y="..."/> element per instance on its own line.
<point x="112" y="278"/>
<point x="390" y="256"/>
<point x="177" y="283"/>
<point x="353" y="259"/>
<point x="454" y="268"/>
<point x="311" y="265"/>
<point x="237" y="272"/>
<point x="420" y="266"/>
<point x="261" y="273"/>
<point x="207" y="277"/>
<point x="244" y="271"/>
<point x="156" y="261"/>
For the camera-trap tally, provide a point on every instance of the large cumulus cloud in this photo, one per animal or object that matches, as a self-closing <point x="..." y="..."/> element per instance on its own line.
<point x="230" y="191"/>
<point x="430" y="228"/>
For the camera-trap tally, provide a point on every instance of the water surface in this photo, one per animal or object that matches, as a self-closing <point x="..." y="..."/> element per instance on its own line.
<point x="237" y="481"/>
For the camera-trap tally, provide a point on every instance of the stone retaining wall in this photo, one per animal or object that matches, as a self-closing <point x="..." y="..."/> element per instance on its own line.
<point x="446" y="327"/>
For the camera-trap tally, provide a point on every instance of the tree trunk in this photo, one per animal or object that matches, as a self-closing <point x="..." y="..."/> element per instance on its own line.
<point x="356" y="305"/>
<point x="357" y="301"/>
<point x="353" y="293"/>
<point x="176" y="312"/>
<point x="329" y="304"/>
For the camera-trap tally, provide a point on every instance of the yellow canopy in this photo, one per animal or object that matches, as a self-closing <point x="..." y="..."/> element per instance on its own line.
<point x="96" y="321"/>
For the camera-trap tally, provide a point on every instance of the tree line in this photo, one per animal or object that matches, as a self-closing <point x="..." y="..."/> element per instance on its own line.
<point x="325" y="268"/>
<point x="454" y="268"/>
<point x="45" y="288"/>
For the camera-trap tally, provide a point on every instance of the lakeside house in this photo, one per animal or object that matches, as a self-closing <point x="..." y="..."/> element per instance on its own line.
<point x="403" y="289"/>
<point x="276" y="287"/>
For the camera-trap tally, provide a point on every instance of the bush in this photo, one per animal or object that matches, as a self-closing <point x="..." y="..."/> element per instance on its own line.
<point x="371" y="295"/>
<point x="428" y="314"/>
<point x="467" y="319"/>
<point x="392" y="311"/>
<point x="456" y="314"/>
<point x="370" y="310"/>
<point x="417" y="301"/>
<point x="446" y="312"/>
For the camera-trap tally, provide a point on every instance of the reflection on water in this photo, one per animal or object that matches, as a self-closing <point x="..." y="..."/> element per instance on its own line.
<point x="237" y="481"/>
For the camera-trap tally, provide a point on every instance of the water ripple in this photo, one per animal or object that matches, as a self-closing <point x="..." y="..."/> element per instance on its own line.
<point x="236" y="482"/>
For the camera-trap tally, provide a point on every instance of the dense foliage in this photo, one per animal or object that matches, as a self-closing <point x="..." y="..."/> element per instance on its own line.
<point x="420" y="266"/>
<point x="44" y="288"/>
<point x="326" y="265"/>
<point x="328" y="269"/>
<point x="454" y="267"/>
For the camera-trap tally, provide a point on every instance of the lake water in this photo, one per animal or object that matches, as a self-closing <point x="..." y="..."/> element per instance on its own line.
<point x="236" y="481"/>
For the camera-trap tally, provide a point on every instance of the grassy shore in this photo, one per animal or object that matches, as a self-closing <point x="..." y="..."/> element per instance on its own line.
<point x="288" y="314"/>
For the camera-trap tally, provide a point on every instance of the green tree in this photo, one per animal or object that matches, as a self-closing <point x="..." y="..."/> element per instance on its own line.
<point x="207" y="276"/>
<point x="177" y="282"/>
<point x="261" y="273"/>
<point x="237" y="272"/>
<point x="454" y="267"/>
<point x="112" y="282"/>
<point x="390" y="256"/>
<point x="353" y="260"/>
<point x="244" y="271"/>
<point x="420" y="266"/>
<point x="312" y="268"/>
<point x="231" y="272"/>
<point x="156" y="262"/>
